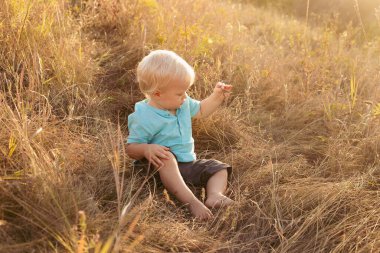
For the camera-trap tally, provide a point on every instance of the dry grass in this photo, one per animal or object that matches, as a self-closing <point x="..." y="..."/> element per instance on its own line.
<point x="301" y="129"/>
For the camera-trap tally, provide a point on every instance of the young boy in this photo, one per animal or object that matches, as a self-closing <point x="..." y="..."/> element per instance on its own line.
<point x="160" y="131"/>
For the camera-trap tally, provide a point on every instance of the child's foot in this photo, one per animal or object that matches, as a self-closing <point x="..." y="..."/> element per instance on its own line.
<point x="199" y="210"/>
<point x="218" y="200"/>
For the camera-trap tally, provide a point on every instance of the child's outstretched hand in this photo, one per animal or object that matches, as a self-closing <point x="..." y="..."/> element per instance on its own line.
<point x="223" y="89"/>
<point x="154" y="153"/>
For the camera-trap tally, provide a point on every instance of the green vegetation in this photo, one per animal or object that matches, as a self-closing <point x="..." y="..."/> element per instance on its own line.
<point x="301" y="128"/>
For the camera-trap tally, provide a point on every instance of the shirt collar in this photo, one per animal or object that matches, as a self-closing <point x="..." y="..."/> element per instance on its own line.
<point x="164" y="113"/>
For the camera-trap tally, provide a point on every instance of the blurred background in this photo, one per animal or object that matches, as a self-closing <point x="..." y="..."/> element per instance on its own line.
<point x="344" y="13"/>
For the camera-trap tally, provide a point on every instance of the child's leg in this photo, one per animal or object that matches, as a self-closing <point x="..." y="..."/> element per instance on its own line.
<point x="216" y="186"/>
<point x="173" y="182"/>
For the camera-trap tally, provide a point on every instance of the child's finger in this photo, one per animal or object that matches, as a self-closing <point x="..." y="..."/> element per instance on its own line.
<point x="226" y="94"/>
<point x="165" y="150"/>
<point x="227" y="87"/>
<point x="163" y="155"/>
<point x="153" y="162"/>
<point x="207" y="216"/>
<point x="158" y="162"/>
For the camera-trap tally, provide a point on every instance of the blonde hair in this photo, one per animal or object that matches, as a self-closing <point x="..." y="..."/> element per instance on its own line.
<point x="160" y="67"/>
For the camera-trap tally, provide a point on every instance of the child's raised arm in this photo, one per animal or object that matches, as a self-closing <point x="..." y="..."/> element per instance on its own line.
<point x="211" y="103"/>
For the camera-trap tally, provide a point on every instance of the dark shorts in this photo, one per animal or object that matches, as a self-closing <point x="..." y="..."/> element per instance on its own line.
<point x="195" y="173"/>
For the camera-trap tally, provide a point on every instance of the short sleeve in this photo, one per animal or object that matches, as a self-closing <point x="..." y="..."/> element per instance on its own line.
<point x="194" y="105"/>
<point x="138" y="131"/>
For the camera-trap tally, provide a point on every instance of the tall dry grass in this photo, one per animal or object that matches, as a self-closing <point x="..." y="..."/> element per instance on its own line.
<point x="301" y="129"/>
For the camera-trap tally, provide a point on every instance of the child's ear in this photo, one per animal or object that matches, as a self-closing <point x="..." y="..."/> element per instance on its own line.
<point x="156" y="93"/>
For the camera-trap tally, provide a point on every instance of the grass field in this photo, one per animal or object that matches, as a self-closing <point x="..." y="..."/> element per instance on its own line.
<point x="301" y="128"/>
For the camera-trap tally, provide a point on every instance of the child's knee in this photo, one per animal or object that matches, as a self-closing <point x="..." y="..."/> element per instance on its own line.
<point x="169" y="163"/>
<point x="223" y="172"/>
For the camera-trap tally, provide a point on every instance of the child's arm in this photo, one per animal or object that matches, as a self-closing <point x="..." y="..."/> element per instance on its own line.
<point x="211" y="103"/>
<point x="152" y="152"/>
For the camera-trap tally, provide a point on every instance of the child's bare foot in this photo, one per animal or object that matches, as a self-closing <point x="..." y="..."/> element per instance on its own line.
<point x="199" y="210"/>
<point x="218" y="200"/>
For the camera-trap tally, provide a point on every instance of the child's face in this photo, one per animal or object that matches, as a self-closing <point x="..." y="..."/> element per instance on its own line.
<point x="172" y="96"/>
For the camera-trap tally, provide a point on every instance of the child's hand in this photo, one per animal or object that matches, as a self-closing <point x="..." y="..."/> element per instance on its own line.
<point x="223" y="89"/>
<point x="154" y="153"/>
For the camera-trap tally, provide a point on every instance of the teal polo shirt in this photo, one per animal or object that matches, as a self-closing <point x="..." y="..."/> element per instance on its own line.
<point x="155" y="126"/>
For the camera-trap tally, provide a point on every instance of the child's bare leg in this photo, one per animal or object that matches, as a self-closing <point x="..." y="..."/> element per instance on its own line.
<point x="173" y="182"/>
<point x="216" y="186"/>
